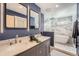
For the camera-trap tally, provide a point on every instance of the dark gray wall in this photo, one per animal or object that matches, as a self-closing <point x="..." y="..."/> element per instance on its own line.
<point x="11" y="33"/>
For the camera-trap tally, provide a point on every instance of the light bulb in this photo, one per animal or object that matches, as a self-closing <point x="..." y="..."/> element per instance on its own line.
<point x="57" y="6"/>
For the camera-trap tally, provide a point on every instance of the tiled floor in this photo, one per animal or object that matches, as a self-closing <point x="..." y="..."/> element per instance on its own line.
<point x="57" y="53"/>
<point x="66" y="48"/>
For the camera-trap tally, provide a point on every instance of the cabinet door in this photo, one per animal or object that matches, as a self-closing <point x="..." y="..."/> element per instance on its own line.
<point x="44" y="48"/>
<point x="47" y="46"/>
<point x="30" y="52"/>
<point x="41" y="50"/>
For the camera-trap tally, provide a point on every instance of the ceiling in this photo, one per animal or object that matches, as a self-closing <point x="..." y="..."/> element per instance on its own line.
<point x="50" y="8"/>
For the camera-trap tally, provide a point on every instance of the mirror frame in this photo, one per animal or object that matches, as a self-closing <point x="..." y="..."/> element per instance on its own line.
<point x="38" y="18"/>
<point x="5" y="4"/>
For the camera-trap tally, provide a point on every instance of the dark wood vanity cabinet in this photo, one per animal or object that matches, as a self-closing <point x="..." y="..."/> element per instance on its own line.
<point x="42" y="49"/>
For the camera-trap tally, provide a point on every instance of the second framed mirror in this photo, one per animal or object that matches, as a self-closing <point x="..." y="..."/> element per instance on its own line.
<point x="34" y="20"/>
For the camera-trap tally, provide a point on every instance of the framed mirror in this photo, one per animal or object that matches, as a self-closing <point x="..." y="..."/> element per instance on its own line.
<point x="20" y="22"/>
<point x="34" y="20"/>
<point x="16" y="16"/>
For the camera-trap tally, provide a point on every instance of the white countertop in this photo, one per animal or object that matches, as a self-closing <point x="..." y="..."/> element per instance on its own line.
<point x="17" y="48"/>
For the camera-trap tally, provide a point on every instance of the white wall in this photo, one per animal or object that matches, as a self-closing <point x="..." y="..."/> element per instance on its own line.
<point x="47" y="26"/>
<point x="68" y="11"/>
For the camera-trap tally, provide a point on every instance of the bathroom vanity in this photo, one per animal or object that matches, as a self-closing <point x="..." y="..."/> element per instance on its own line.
<point x="41" y="49"/>
<point x="26" y="47"/>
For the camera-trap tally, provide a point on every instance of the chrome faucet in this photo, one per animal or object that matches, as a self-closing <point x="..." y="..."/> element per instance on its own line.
<point x="16" y="38"/>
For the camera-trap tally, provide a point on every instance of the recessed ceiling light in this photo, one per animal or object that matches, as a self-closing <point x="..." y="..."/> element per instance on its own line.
<point x="57" y="6"/>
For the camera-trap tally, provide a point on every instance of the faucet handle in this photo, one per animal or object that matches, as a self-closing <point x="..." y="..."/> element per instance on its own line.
<point x="11" y="43"/>
<point x="15" y="40"/>
<point x="20" y="41"/>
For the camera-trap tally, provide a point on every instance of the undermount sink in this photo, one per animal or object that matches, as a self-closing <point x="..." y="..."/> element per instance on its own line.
<point x="24" y="41"/>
